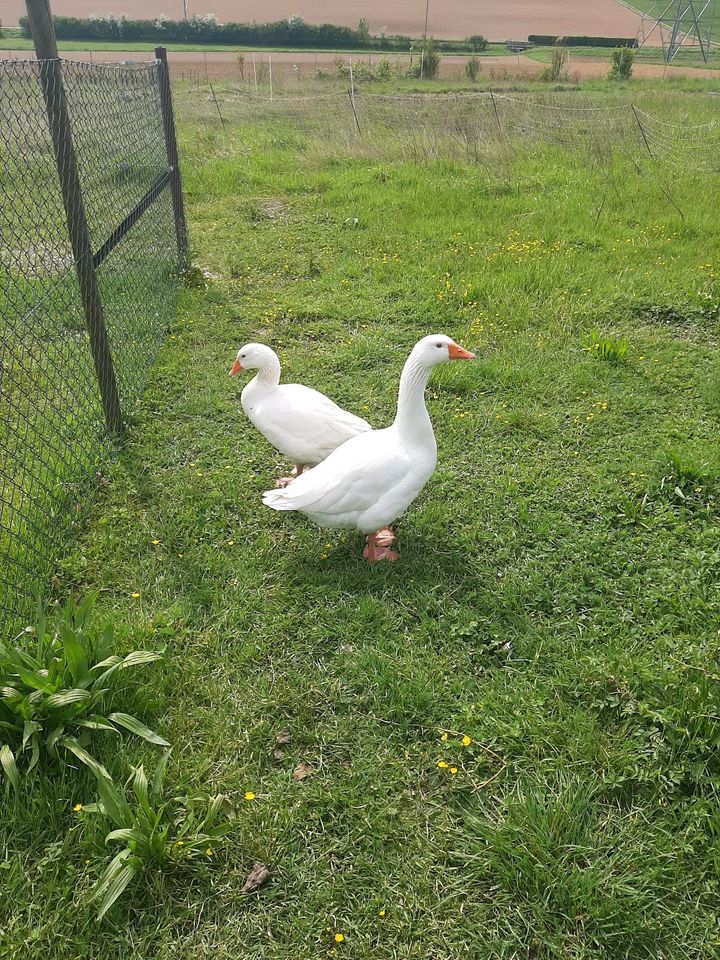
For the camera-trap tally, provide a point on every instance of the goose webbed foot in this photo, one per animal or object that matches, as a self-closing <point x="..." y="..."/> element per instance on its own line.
<point x="377" y="546"/>
<point x="284" y="481"/>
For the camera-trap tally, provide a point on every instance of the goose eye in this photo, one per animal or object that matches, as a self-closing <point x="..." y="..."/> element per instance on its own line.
<point x="438" y="345"/>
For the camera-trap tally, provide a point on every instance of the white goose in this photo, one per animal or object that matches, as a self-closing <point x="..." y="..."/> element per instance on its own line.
<point x="370" y="480"/>
<point x="304" y="425"/>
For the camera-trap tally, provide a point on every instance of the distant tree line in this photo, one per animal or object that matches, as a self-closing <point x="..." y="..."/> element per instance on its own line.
<point x="545" y="40"/>
<point x="292" y="32"/>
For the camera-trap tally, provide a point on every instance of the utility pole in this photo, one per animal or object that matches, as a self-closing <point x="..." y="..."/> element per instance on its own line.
<point x="422" y="55"/>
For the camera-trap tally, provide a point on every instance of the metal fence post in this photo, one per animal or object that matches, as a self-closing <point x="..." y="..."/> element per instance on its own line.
<point x="172" y="155"/>
<point x="53" y="91"/>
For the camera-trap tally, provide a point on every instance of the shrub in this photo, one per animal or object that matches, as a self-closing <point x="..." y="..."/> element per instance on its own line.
<point x="477" y="43"/>
<point x="472" y="69"/>
<point x="558" y="60"/>
<point x="157" y="833"/>
<point x="621" y="63"/>
<point x="56" y="693"/>
<point x="545" y="40"/>
<point x="428" y="62"/>
<point x="382" y="70"/>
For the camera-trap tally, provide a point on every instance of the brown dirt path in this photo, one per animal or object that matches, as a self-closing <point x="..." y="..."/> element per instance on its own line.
<point x="289" y="66"/>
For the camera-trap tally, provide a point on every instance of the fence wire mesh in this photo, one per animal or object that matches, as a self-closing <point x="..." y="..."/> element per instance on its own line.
<point x="465" y="125"/>
<point x="52" y="425"/>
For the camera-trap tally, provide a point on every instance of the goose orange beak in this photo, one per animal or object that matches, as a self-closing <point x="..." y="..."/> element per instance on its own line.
<point x="457" y="353"/>
<point x="235" y="368"/>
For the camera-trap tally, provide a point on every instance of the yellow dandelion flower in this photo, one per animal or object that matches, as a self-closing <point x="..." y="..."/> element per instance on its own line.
<point x="466" y="741"/>
<point x="77" y="807"/>
<point x="209" y="852"/>
<point x="231" y="543"/>
<point x="444" y="737"/>
<point x="381" y="913"/>
<point x="249" y="795"/>
<point x="155" y="542"/>
<point x="135" y="595"/>
<point x="453" y="770"/>
<point x="339" y="937"/>
<point x="442" y="765"/>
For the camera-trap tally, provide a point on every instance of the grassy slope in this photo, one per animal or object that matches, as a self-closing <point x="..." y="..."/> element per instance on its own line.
<point x="655" y="7"/>
<point x="556" y="600"/>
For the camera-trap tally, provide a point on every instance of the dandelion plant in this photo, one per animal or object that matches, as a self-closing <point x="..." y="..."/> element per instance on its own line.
<point x="56" y="692"/>
<point x="157" y="834"/>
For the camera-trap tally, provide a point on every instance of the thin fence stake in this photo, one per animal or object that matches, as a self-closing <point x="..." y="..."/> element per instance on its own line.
<point x="270" y="71"/>
<point x="255" y="72"/>
<point x="207" y="79"/>
<point x="51" y="81"/>
<point x="172" y="155"/>
<point x="352" y="97"/>
<point x="662" y="185"/>
<point x="218" y="106"/>
<point x="497" y="115"/>
<point x="640" y="127"/>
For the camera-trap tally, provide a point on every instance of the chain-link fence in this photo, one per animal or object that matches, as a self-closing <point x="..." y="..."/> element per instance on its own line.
<point x="88" y="284"/>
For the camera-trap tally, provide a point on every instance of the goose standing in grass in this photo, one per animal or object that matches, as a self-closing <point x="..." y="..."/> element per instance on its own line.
<point x="304" y="425"/>
<point x="373" y="478"/>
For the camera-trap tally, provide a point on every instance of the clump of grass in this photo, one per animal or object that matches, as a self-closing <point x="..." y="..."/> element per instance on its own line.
<point x="610" y="349"/>
<point x="157" y="833"/>
<point x="688" y="482"/>
<point x="56" y="692"/>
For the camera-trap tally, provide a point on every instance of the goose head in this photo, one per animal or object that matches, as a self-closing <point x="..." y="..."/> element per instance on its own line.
<point x="437" y="348"/>
<point x="254" y="356"/>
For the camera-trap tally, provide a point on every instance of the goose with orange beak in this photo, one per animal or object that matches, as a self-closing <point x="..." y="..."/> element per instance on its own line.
<point x="371" y="479"/>
<point x="303" y="424"/>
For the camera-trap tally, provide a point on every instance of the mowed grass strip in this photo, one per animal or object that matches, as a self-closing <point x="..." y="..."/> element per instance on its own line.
<point x="510" y="735"/>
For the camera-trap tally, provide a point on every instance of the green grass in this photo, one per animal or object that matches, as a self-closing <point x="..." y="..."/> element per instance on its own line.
<point x="655" y="7"/>
<point x="689" y="57"/>
<point x="13" y="40"/>
<point x="556" y="599"/>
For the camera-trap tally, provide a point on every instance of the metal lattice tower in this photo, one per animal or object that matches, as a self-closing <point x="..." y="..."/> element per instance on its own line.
<point x="681" y="23"/>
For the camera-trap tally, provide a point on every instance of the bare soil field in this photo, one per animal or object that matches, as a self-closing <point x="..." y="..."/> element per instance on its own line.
<point x="191" y="65"/>
<point x="449" y="20"/>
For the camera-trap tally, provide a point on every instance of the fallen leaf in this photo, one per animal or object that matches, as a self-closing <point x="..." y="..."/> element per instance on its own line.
<point x="256" y="878"/>
<point x="283" y="737"/>
<point x="302" y="770"/>
<point x="278" y="754"/>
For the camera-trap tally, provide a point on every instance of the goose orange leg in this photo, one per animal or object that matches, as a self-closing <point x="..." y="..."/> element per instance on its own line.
<point x="296" y="471"/>
<point x="377" y="546"/>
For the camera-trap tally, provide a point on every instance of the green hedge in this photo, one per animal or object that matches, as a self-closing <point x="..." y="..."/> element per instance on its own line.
<point x="544" y="40"/>
<point x="293" y="32"/>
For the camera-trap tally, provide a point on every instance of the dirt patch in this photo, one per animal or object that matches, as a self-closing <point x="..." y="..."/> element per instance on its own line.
<point x="299" y="66"/>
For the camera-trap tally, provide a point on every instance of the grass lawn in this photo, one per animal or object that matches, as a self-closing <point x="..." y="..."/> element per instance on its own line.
<point x="654" y="8"/>
<point x="555" y="604"/>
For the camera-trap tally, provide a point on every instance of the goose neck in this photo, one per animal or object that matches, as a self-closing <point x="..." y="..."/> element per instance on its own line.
<point x="412" y="417"/>
<point x="268" y="375"/>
